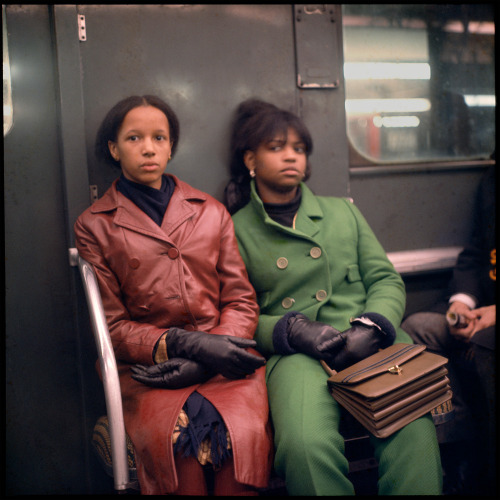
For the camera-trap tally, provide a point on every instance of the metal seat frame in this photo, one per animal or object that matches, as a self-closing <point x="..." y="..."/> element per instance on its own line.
<point x="109" y="369"/>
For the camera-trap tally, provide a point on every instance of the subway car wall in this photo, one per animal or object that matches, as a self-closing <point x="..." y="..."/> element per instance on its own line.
<point x="204" y="60"/>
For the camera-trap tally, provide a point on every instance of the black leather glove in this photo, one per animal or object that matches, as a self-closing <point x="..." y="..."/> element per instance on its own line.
<point x="309" y="337"/>
<point x="172" y="374"/>
<point x="367" y="335"/>
<point x="222" y="354"/>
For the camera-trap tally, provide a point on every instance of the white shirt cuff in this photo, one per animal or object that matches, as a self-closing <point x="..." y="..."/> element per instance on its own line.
<point x="463" y="297"/>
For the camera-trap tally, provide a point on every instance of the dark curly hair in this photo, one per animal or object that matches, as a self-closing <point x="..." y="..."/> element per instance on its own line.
<point x="257" y="122"/>
<point x="108" y="131"/>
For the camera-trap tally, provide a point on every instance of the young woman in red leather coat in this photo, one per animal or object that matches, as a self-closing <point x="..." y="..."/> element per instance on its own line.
<point x="181" y="314"/>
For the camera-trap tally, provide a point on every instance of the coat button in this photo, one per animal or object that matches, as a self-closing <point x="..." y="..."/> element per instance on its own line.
<point x="173" y="253"/>
<point x="287" y="302"/>
<point x="315" y="252"/>
<point x="134" y="263"/>
<point x="321" y="295"/>
<point x="282" y="262"/>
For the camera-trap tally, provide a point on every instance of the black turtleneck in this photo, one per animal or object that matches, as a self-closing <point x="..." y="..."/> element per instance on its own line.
<point x="151" y="201"/>
<point x="283" y="213"/>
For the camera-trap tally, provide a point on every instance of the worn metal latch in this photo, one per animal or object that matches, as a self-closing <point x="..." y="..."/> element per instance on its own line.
<point x="317" y="46"/>
<point x="82" y="30"/>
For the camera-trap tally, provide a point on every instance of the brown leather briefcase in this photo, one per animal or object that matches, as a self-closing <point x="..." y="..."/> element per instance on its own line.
<point x="391" y="388"/>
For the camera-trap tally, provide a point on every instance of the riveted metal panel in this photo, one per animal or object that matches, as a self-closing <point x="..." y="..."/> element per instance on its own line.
<point x="316" y="46"/>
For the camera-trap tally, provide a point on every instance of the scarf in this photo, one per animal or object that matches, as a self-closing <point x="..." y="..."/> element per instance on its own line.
<point x="204" y="422"/>
<point x="153" y="202"/>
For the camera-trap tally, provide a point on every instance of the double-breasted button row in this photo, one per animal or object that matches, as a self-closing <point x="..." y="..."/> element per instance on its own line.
<point x="315" y="252"/>
<point x="282" y="262"/>
<point x="134" y="263"/>
<point x="172" y="253"/>
<point x="288" y="302"/>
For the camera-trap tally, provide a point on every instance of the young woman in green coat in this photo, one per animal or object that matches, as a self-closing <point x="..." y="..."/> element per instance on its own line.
<point x="326" y="290"/>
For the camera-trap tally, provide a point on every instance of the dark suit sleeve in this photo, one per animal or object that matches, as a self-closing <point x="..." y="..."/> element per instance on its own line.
<point x="475" y="271"/>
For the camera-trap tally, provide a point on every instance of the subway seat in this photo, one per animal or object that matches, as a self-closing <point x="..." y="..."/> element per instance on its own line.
<point x="113" y="446"/>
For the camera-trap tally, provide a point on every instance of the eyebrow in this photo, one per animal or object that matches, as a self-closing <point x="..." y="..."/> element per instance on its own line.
<point x="135" y="131"/>
<point x="284" y="141"/>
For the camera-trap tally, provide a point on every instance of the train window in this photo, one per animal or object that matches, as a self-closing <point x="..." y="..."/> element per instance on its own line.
<point x="420" y="82"/>
<point x="7" y="93"/>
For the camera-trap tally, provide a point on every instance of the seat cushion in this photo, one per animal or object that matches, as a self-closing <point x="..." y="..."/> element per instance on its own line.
<point x="101" y="442"/>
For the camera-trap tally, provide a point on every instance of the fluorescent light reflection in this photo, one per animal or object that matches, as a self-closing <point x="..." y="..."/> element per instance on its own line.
<point x="477" y="27"/>
<point x="373" y="106"/>
<point x="396" y="121"/>
<point x="480" y="100"/>
<point x="386" y="71"/>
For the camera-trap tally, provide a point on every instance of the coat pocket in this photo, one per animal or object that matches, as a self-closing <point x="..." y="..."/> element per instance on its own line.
<point x="352" y="273"/>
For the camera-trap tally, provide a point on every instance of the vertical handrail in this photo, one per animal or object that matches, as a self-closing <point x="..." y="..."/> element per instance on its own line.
<point x="110" y="379"/>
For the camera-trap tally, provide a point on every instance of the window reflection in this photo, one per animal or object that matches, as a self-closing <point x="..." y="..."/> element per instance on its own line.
<point x="419" y="81"/>
<point x="7" y="93"/>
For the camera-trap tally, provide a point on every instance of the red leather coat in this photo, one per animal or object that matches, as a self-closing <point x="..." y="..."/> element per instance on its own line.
<point x="186" y="273"/>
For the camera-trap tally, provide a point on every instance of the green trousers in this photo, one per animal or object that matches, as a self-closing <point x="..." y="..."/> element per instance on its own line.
<point x="310" y="449"/>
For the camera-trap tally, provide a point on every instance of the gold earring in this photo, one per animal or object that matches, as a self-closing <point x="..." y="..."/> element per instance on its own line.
<point x="252" y="174"/>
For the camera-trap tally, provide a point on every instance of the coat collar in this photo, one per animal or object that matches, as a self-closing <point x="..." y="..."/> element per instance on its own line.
<point x="309" y="210"/>
<point x="130" y="216"/>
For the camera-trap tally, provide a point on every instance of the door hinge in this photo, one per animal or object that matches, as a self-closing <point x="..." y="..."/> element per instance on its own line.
<point x="82" y="30"/>
<point x="93" y="193"/>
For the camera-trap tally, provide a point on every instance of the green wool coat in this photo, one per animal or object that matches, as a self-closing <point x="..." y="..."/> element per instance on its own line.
<point x="331" y="267"/>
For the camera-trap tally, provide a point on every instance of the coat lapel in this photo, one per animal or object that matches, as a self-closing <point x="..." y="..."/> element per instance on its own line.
<point x="180" y="208"/>
<point x="130" y="216"/>
<point x="308" y="211"/>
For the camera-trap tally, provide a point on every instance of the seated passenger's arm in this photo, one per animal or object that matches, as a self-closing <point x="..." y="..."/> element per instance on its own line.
<point x="385" y="289"/>
<point x="239" y="311"/>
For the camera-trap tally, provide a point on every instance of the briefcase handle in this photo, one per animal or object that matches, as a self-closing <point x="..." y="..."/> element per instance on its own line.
<point x="327" y="369"/>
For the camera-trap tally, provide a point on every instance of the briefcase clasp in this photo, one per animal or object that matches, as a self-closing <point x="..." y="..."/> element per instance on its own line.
<point x="395" y="370"/>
